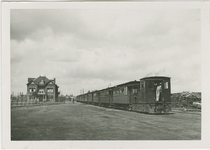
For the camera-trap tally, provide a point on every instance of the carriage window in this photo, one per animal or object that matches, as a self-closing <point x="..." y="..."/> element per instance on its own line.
<point x="116" y="92"/>
<point x="166" y="85"/>
<point x="103" y="93"/>
<point x="122" y="91"/>
<point x="125" y="90"/>
<point x="134" y="91"/>
<point x="142" y="85"/>
<point x="150" y="84"/>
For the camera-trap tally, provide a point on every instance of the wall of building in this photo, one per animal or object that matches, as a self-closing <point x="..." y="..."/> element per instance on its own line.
<point x="29" y="94"/>
<point x="50" y="93"/>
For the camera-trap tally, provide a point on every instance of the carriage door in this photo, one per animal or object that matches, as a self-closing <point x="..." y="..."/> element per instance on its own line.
<point x="166" y="91"/>
<point x="110" y="97"/>
<point x="135" y="94"/>
<point x="130" y="94"/>
<point x="151" y="91"/>
<point x="158" y="90"/>
<point x="99" y="101"/>
<point x="142" y="91"/>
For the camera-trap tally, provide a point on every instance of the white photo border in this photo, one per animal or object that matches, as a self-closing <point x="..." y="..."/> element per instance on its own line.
<point x="6" y="76"/>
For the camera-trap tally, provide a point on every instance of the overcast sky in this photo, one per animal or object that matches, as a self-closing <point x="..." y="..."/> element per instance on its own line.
<point x="91" y="49"/>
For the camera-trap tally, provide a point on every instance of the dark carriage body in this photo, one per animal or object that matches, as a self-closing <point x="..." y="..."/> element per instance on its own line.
<point x="125" y="94"/>
<point x="89" y="97"/>
<point x="150" y="95"/>
<point x="96" y="95"/>
<point x="103" y="97"/>
<point x="149" y="99"/>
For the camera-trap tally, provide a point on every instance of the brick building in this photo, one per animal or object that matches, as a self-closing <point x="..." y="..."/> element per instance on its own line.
<point x="42" y="89"/>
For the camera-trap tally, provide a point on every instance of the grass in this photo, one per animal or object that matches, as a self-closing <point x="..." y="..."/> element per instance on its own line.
<point x="85" y="122"/>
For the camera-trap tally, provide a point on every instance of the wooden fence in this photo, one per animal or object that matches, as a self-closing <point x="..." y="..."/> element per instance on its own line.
<point x="30" y="104"/>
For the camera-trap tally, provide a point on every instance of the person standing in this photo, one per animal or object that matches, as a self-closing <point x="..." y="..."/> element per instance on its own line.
<point x="158" y="92"/>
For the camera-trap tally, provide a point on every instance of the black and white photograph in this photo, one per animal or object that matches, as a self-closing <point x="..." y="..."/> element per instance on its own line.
<point x="105" y="73"/>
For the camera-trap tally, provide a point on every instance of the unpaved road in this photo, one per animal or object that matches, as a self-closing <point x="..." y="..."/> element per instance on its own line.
<point x="86" y="122"/>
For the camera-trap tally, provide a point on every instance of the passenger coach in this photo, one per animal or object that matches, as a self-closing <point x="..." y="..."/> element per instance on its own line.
<point x="150" y="94"/>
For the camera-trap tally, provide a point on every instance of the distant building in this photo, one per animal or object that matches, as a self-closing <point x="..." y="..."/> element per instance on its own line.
<point x="42" y="89"/>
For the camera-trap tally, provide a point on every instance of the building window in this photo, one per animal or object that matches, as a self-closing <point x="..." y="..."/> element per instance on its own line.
<point x="41" y="82"/>
<point x="32" y="89"/>
<point x="50" y="90"/>
<point x="32" y="97"/>
<point x="50" y="97"/>
<point x="41" y="91"/>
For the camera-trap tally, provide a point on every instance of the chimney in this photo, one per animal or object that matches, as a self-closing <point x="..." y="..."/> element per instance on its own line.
<point x="54" y="80"/>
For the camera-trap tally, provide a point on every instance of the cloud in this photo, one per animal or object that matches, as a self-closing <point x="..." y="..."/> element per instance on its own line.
<point x="92" y="48"/>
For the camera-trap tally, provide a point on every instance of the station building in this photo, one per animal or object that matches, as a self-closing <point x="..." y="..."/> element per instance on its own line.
<point x="42" y="89"/>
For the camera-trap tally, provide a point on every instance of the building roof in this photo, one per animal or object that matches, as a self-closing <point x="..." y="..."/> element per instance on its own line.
<point x="31" y="79"/>
<point x="41" y="78"/>
<point x="41" y="81"/>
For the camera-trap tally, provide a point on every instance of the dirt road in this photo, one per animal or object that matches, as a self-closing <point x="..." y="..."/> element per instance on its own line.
<point x="86" y="122"/>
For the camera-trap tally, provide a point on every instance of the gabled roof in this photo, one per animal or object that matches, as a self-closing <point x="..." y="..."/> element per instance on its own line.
<point x="41" y="81"/>
<point x="50" y="81"/>
<point x="41" y="78"/>
<point x="30" y="79"/>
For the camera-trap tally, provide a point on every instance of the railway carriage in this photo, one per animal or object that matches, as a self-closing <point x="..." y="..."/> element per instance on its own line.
<point x="78" y="98"/>
<point x="150" y="99"/>
<point x="104" y="97"/>
<point x="95" y="98"/>
<point x="89" y="97"/>
<point x="83" y="98"/>
<point x="125" y="94"/>
<point x="86" y="98"/>
<point x="150" y="94"/>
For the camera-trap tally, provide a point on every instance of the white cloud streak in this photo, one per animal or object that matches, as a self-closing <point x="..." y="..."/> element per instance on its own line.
<point x="92" y="48"/>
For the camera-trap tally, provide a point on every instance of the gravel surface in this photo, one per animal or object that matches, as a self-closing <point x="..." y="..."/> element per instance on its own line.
<point x="86" y="122"/>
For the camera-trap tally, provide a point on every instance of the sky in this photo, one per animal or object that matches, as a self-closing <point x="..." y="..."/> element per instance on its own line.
<point x="92" y="49"/>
